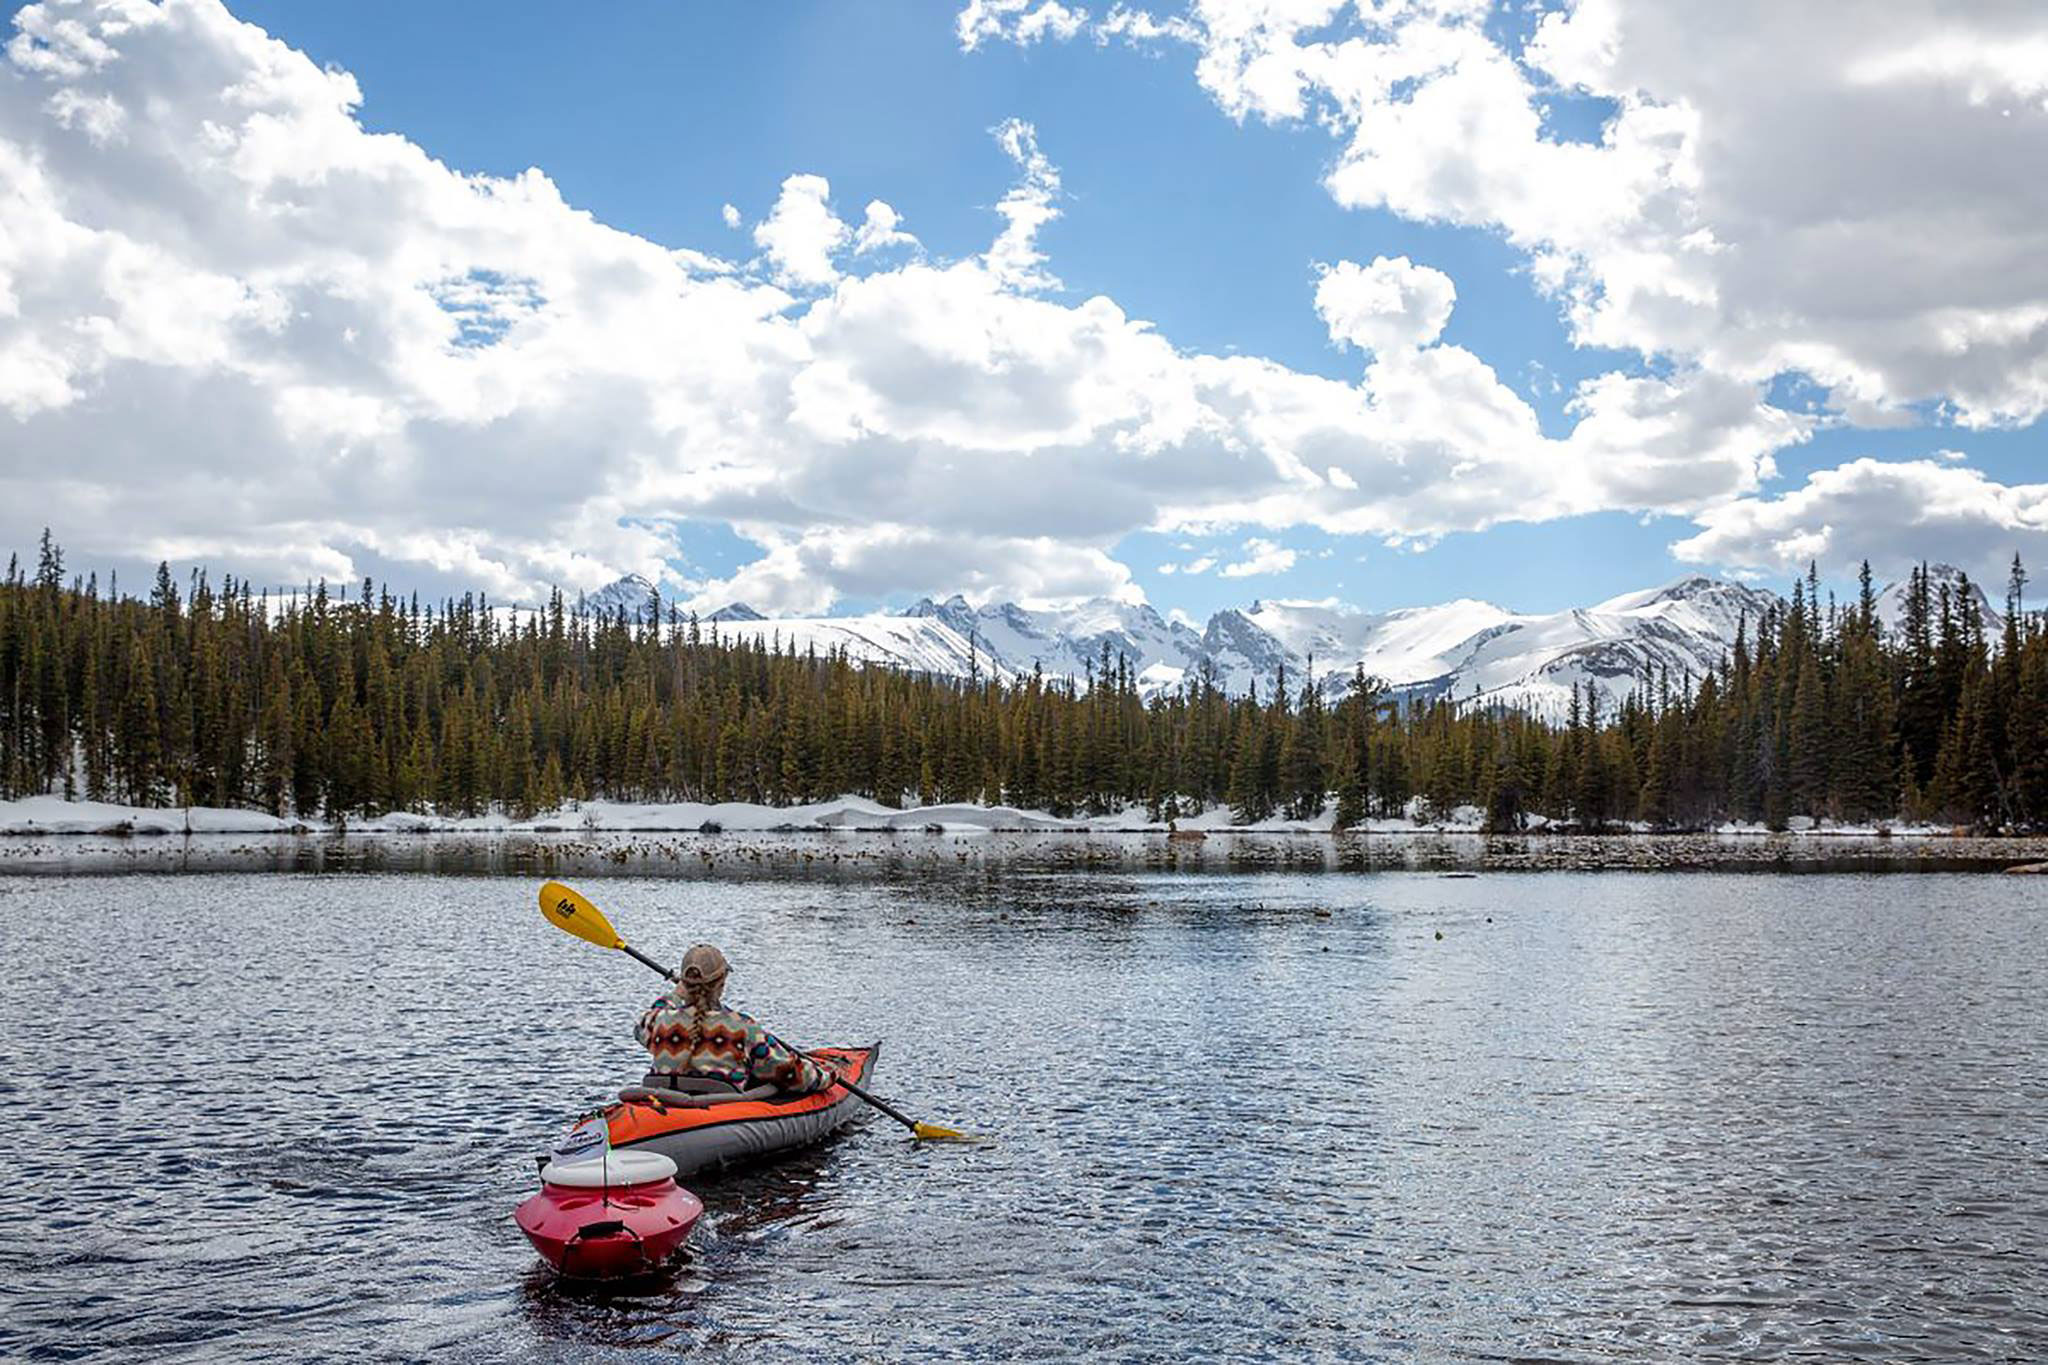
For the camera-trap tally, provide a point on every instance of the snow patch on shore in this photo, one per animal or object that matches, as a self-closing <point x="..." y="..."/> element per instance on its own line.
<point x="846" y="814"/>
<point x="55" y="815"/>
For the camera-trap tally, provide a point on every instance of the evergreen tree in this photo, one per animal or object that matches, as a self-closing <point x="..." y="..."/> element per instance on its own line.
<point x="1809" y="739"/>
<point x="1654" y="803"/>
<point x="1303" y="776"/>
<point x="1249" y="797"/>
<point x="140" y="730"/>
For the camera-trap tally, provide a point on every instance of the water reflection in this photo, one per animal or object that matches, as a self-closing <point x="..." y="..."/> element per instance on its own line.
<point x="860" y="856"/>
<point x="1275" y="1115"/>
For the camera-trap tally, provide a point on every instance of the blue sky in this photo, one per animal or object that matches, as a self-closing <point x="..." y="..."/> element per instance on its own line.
<point x="1207" y="222"/>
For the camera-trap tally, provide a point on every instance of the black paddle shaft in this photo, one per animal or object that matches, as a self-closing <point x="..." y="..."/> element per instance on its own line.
<point x="833" y="1072"/>
<point x="648" y="960"/>
<point x="838" y="1079"/>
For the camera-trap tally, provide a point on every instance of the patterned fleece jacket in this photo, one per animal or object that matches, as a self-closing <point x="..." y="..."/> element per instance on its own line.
<point x="722" y="1044"/>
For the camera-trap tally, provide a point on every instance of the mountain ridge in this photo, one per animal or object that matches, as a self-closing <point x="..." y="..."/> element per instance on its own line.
<point x="1466" y="650"/>
<point x="1891" y="602"/>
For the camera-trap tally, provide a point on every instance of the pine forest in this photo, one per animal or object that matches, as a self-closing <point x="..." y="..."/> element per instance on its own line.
<point x="347" y="704"/>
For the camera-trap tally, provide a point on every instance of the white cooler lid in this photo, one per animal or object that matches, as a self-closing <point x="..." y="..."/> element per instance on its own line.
<point x="614" y="1168"/>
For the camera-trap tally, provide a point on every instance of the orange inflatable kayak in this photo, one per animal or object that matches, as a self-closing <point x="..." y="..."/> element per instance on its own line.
<point x="706" y="1132"/>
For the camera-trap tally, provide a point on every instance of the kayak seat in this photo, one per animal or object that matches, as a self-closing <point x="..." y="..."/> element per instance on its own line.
<point x="688" y="1084"/>
<point x="680" y="1099"/>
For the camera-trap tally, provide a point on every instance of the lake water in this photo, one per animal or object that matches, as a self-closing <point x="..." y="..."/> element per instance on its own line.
<point x="1274" y="1115"/>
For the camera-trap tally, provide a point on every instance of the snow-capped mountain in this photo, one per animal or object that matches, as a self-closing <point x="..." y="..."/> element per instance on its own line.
<point x="1070" y="642"/>
<point x="1679" y="631"/>
<point x="1468" y="651"/>
<point x="632" y="593"/>
<point x="919" y="644"/>
<point x="1464" y="650"/>
<point x="736" y="611"/>
<point x="1475" y="651"/>
<point x="1891" y="603"/>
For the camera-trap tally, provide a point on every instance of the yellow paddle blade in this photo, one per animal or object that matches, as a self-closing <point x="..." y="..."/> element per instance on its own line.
<point x="932" y="1132"/>
<point x="571" y="910"/>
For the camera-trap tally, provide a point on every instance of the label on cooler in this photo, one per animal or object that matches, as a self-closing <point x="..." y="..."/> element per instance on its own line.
<point x="589" y="1140"/>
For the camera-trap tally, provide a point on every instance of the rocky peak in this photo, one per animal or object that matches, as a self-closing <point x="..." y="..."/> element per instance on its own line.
<point x="953" y="612"/>
<point x="735" y="611"/>
<point x="1891" y="603"/>
<point x="632" y="594"/>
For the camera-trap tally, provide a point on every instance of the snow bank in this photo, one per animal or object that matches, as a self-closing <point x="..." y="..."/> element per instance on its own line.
<point x="1800" y="824"/>
<point x="54" y="815"/>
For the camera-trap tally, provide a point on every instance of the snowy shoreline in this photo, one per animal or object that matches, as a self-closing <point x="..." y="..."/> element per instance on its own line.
<point x="52" y="815"/>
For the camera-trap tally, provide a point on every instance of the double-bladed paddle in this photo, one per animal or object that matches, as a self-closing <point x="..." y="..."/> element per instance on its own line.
<point x="570" y="910"/>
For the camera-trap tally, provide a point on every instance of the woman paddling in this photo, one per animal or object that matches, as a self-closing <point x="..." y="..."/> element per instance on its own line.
<point x="698" y="1044"/>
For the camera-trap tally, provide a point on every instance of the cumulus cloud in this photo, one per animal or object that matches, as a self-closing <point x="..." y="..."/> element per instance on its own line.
<point x="1392" y="302"/>
<point x="1261" y="557"/>
<point x="1888" y="512"/>
<point x="1685" y="442"/>
<point x="801" y="233"/>
<point x="882" y="227"/>
<point x="236" y="327"/>
<point x="803" y="574"/>
<point x="1848" y="191"/>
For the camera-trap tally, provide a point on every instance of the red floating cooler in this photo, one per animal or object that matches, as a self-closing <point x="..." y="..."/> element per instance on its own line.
<point x="621" y="1213"/>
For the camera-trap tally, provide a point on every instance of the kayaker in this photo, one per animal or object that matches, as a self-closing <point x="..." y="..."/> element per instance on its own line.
<point x="692" y="1037"/>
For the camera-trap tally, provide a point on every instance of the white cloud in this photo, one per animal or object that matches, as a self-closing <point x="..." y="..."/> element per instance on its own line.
<point x="1892" y="513"/>
<point x="804" y="574"/>
<point x="881" y="228"/>
<point x="1137" y="27"/>
<point x="1683" y="443"/>
<point x="1392" y="302"/>
<point x="730" y="214"/>
<point x="244" y="330"/>
<point x="101" y="119"/>
<point x="1847" y="190"/>
<point x="1017" y="21"/>
<point x="1015" y="259"/>
<point x="801" y="233"/>
<point x="1261" y="557"/>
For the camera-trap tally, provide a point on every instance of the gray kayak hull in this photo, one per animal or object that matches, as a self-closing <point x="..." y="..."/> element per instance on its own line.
<point x="701" y="1136"/>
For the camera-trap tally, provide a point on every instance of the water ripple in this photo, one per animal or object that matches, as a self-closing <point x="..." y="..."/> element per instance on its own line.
<point x="1268" y="1116"/>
